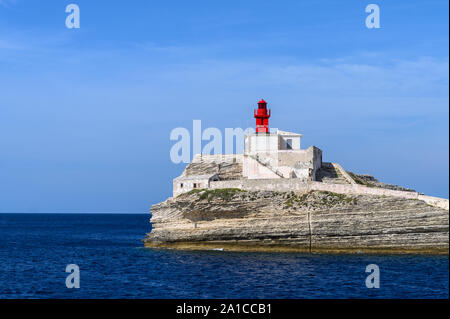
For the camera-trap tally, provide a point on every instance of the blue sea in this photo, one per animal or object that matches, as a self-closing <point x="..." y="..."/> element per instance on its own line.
<point x="36" y="248"/>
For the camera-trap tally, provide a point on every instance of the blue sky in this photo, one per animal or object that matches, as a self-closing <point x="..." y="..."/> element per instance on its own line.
<point x="85" y="115"/>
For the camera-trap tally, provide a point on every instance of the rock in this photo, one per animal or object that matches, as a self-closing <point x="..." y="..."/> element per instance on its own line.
<point x="370" y="181"/>
<point x="233" y="219"/>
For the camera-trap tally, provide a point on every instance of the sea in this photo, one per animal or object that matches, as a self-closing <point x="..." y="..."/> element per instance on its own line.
<point x="35" y="250"/>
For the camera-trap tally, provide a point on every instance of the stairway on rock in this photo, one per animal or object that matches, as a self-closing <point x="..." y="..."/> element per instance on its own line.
<point x="328" y="174"/>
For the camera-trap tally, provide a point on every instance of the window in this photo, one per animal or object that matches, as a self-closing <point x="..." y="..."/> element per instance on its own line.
<point x="289" y="143"/>
<point x="181" y="185"/>
<point x="195" y="185"/>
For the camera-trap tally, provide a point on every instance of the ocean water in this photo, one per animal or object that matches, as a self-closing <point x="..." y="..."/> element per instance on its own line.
<point x="35" y="249"/>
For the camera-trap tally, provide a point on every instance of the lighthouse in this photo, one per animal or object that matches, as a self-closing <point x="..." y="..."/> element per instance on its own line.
<point x="263" y="142"/>
<point x="268" y="158"/>
<point x="262" y="117"/>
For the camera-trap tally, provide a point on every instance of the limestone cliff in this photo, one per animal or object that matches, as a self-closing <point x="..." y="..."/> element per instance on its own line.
<point x="315" y="221"/>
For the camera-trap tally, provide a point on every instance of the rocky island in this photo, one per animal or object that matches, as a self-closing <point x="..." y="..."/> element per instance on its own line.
<point x="279" y="197"/>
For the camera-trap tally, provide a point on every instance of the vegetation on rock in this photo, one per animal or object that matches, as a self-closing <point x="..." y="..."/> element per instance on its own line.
<point x="210" y="194"/>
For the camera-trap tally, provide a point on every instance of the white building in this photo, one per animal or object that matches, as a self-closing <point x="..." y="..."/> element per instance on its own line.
<point x="266" y="156"/>
<point x="267" y="142"/>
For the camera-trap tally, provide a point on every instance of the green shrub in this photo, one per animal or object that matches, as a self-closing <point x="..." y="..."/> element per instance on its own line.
<point x="221" y="193"/>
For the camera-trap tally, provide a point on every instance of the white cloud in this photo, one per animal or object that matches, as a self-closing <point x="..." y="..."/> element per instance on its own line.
<point x="423" y="76"/>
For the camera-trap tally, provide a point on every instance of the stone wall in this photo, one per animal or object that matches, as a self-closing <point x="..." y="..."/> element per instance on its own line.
<point x="258" y="177"/>
<point x="287" y="185"/>
<point x="218" y="158"/>
<point x="279" y="184"/>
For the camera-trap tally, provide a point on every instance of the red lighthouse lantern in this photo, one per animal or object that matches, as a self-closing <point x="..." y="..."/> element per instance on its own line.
<point x="262" y="117"/>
